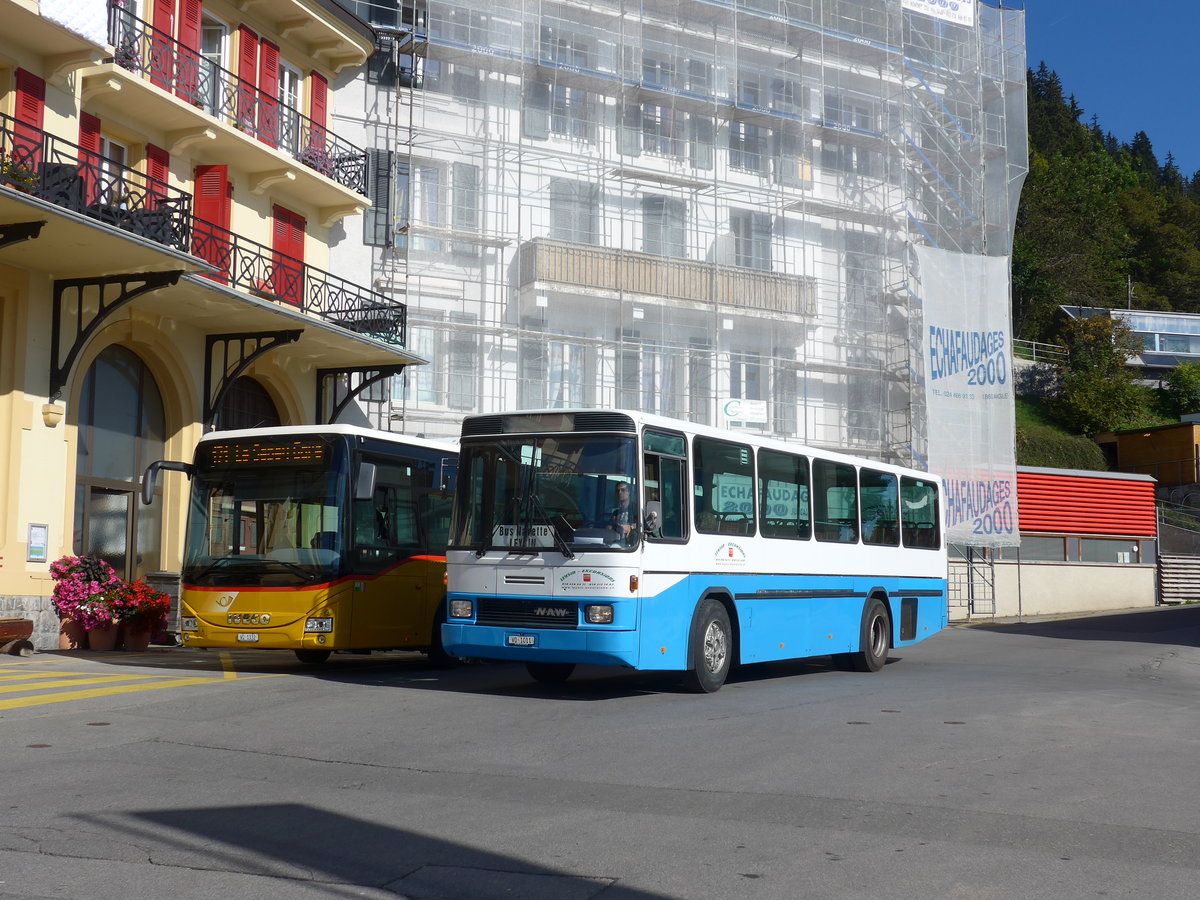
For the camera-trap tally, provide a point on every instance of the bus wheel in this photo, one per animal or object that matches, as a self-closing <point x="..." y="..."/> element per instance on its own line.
<point x="312" y="657"/>
<point x="549" y="673"/>
<point x="711" y="648"/>
<point x="874" y="641"/>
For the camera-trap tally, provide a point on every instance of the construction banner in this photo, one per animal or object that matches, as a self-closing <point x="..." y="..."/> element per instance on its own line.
<point x="969" y="393"/>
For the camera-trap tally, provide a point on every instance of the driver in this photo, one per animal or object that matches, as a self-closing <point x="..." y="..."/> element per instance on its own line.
<point x="624" y="517"/>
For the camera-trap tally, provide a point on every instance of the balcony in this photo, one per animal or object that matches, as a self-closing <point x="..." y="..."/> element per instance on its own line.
<point x="93" y="193"/>
<point x="290" y="283"/>
<point x="189" y="96"/>
<point x="543" y="261"/>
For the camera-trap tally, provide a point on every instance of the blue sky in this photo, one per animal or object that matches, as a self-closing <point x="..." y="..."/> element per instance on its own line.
<point x="1134" y="65"/>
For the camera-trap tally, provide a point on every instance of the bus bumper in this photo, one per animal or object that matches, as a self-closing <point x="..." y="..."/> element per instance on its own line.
<point x="596" y="648"/>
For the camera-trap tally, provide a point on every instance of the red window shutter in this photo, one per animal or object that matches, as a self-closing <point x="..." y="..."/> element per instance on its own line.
<point x="319" y="104"/>
<point x="247" y="78"/>
<point x="30" y="112"/>
<point x="89" y="145"/>
<point x="187" y="81"/>
<point x="288" y="270"/>
<point x="268" y="93"/>
<point x="210" y="233"/>
<point x="158" y="169"/>
<point x="162" y="56"/>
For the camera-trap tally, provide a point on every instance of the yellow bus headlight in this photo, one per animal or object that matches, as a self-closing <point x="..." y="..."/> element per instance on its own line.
<point x="319" y="625"/>
<point x="188" y="623"/>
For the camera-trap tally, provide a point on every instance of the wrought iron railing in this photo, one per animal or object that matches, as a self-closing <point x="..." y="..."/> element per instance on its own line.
<point x="158" y="57"/>
<point x="65" y="174"/>
<point x="256" y="268"/>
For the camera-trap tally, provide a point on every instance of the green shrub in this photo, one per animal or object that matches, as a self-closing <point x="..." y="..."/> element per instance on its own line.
<point x="1048" y="447"/>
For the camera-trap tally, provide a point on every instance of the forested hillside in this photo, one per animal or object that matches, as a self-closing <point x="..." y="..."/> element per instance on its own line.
<point x="1097" y="216"/>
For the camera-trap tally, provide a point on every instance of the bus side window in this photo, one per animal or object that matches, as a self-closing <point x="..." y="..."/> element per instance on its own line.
<point x="879" y="503"/>
<point x="664" y="484"/>
<point x="835" y="502"/>
<point x="919" y="516"/>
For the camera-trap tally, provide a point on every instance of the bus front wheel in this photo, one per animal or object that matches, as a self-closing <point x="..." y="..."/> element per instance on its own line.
<point x="711" y="648"/>
<point x="874" y="642"/>
<point x="312" y="657"/>
<point x="549" y="673"/>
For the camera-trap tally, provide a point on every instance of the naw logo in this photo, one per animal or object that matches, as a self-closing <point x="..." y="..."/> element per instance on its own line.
<point x="730" y="555"/>
<point x="586" y="580"/>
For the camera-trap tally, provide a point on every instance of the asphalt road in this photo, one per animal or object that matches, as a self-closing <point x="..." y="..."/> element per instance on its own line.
<point x="1045" y="759"/>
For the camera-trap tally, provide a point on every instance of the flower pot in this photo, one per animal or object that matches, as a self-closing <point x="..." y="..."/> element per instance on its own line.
<point x="102" y="638"/>
<point x="134" y="638"/>
<point x="71" y="635"/>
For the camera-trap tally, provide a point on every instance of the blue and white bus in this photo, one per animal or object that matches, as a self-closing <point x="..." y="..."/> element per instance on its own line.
<point x="732" y="548"/>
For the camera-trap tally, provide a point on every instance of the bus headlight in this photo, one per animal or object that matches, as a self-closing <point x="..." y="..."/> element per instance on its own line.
<point x="321" y="626"/>
<point x="188" y="623"/>
<point x="462" y="609"/>
<point x="598" y="614"/>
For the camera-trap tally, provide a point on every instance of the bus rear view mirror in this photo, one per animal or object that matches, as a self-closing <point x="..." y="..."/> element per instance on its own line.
<point x="364" y="486"/>
<point x="150" y="477"/>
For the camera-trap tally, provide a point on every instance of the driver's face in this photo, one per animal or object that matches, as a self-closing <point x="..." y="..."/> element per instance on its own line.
<point x="623" y="494"/>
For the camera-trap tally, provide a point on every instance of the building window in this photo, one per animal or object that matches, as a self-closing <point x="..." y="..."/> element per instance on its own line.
<point x="451" y="378"/>
<point x="649" y="375"/>
<point x="377" y="219"/>
<point x="747" y="147"/>
<point x="574" y="212"/>
<point x="664" y="226"/>
<point x="246" y="405"/>
<point x="751" y="239"/>
<point x="661" y="132"/>
<point x="553" y="371"/>
<point x="121" y="431"/>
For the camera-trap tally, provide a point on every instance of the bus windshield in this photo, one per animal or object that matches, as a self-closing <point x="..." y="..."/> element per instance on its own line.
<point x="267" y="518"/>
<point x="531" y="492"/>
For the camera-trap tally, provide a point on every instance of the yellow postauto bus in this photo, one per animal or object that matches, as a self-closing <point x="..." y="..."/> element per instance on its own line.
<point x="315" y="539"/>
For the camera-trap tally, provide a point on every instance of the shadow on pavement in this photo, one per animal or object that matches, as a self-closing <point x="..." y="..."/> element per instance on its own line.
<point x="1179" y="625"/>
<point x="315" y="846"/>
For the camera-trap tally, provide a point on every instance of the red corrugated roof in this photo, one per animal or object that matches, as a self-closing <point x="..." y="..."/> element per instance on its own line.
<point x="1085" y="505"/>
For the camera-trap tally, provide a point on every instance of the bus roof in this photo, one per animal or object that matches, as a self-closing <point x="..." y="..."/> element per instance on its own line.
<point x="643" y="418"/>
<point x="447" y="446"/>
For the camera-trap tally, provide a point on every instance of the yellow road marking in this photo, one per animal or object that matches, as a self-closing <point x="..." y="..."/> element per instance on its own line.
<point x="67" y="682"/>
<point x="67" y="696"/>
<point x="227" y="665"/>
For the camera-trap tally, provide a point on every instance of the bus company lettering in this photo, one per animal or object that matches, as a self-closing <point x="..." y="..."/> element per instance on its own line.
<point x="954" y="350"/>
<point x="730" y="554"/>
<point x="586" y="580"/>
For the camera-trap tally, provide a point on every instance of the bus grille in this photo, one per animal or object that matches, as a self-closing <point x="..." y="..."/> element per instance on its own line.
<point x="527" y="613"/>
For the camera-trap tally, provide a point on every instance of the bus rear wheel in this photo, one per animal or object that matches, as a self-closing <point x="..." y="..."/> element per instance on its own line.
<point x="711" y="648"/>
<point x="549" y="673"/>
<point x="313" y="657"/>
<point x="874" y="641"/>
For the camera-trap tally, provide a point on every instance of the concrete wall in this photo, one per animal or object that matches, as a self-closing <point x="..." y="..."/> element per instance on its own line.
<point x="1048" y="588"/>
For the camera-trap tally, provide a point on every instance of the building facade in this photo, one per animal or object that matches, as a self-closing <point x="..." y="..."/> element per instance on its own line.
<point x="699" y="208"/>
<point x="169" y="176"/>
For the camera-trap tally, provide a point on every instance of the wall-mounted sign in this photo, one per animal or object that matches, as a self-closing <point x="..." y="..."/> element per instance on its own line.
<point x="960" y="12"/>
<point x="37" y="547"/>
<point x="749" y="411"/>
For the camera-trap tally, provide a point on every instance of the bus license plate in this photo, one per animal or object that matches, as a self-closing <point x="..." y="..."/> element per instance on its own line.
<point x="247" y="638"/>
<point x="522" y="640"/>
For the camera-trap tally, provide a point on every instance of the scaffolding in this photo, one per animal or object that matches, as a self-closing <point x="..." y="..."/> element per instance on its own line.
<point x="701" y="208"/>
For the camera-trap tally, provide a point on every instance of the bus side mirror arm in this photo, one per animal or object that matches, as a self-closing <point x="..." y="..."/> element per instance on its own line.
<point x="150" y="478"/>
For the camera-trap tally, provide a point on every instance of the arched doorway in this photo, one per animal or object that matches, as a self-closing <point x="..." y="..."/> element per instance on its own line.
<point x="246" y="405"/>
<point x="121" y="431"/>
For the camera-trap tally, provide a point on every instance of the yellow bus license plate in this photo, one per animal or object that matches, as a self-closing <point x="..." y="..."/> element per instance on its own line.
<point x="247" y="638"/>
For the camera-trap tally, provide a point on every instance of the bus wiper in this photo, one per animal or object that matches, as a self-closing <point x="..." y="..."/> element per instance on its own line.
<point x="306" y="574"/>
<point x="559" y="542"/>
<point x="217" y="562"/>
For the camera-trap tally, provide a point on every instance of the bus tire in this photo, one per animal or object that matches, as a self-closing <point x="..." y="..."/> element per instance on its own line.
<point x="875" y="640"/>
<point x="711" y="649"/>
<point x="313" y="657"/>
<point x="549" y="673"/>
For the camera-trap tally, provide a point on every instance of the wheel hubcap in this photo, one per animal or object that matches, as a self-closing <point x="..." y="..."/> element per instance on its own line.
<point x="878" y="637"/>
<point x="714" y="647"/>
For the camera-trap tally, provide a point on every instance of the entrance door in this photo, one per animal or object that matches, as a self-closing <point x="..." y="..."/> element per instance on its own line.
<point x="121" y="431"/>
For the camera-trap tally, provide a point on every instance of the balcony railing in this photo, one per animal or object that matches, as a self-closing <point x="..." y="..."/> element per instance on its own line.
<point x="62" y="173"/>
<point x="84" y="182"/>
<point x="256" y="268"/>
<point x="156" y="56"/>
<point x="600" y="268"/>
